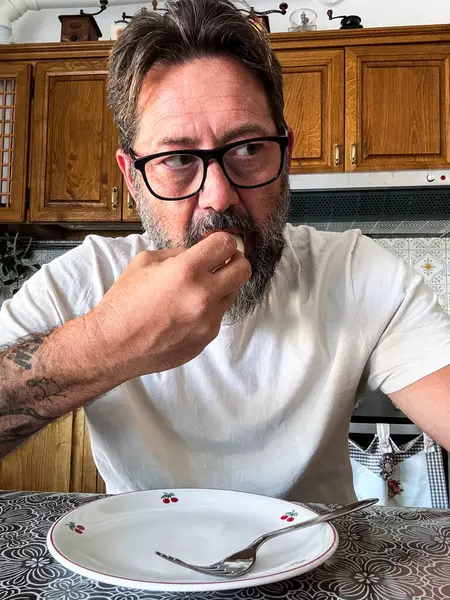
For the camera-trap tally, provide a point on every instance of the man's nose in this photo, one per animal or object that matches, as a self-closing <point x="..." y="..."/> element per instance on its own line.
<point x="217" y="192"/>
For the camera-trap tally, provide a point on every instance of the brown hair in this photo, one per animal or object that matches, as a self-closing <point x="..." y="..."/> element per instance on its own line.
<point x="190" y="29"/>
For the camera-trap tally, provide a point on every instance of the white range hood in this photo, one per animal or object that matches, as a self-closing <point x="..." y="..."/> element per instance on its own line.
<point x="381" y="179"/>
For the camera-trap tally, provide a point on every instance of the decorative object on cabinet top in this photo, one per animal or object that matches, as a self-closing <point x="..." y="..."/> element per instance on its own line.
<point x="347" y="22"/>
<point x="303" y="19"/>
<point x="82" y="27"/>
<point x="260" y="19"/>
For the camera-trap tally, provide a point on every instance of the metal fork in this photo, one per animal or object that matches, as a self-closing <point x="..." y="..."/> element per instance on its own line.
<point x="241" y="562"/>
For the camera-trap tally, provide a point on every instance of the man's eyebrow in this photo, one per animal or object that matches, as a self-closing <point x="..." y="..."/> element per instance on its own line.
<point x="248" y="129"/>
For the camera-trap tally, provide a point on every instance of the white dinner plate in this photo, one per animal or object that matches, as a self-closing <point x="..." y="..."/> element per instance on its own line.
<point x="114" y="539"/>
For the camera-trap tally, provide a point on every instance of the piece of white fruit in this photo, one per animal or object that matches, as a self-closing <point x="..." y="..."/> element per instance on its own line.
<point x="240" y="246"/>
<point x="240" y="243"/>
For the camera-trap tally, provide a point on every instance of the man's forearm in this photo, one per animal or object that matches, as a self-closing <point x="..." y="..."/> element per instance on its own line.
<point x="45" y="376"/>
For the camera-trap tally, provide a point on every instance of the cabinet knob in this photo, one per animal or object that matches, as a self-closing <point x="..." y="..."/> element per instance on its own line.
<point x="114" y="194"/>
<point x="130" y="201"/>
<point x="337" y="155"/>
<point x="353" y="155"/>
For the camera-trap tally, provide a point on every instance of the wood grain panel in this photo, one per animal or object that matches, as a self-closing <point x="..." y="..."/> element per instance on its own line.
<point x="43" y="462"/>
<point x="83" y="472"/>
<point x="314" y="107"/>
<point x="303" y="110"/>
<point x="74" y="168"/>
<point x="397" y="107"/>
<point x="401" y="109"/>
<point x="76" y="110"/>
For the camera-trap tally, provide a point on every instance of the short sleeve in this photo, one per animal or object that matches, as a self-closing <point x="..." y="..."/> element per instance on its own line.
<point x="406" y="330"/>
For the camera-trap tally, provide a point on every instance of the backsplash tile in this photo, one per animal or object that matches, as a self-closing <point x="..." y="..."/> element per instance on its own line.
<point x="40" y="256"/>
<point x="431" y="264"/>
<point x="430" y="257"/>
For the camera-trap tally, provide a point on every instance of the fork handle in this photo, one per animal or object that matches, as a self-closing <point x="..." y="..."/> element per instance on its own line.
<point x="334" y="514"/>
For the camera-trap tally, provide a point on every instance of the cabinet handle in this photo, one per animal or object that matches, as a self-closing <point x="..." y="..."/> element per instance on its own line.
<point x="337" y="155"/>
<point x="114" y="198"/>
<point x="353" y="155"/>
<point x="130" y="201"/>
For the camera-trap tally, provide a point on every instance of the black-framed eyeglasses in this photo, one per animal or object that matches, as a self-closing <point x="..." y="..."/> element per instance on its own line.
<point x="180" y="174"/>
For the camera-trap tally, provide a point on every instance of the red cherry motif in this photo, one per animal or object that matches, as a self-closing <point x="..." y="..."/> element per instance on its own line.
<point x="167" y="498"/>
<point x="289" y="516"/>
<point x="74" y="527"/>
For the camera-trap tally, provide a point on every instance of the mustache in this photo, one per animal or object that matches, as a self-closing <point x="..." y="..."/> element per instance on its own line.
<point x="229" y="219"/>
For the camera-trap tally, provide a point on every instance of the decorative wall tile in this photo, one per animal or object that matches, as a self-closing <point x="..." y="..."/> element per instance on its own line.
<point x="442" y="294"/>
<point x="427" y="243"/>
<point x="393" y="243"/>
<point x="430" y="257"/>
<point x="403" y="255"/>
<point x="431" y="264"/>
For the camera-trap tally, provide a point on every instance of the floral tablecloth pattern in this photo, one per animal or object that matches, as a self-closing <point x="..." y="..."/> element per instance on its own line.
<point x="384" y="554"/>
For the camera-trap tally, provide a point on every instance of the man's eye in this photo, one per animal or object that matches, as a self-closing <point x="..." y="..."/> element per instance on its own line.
<point x="179" y="160"/>
<point x="248" y="150"/>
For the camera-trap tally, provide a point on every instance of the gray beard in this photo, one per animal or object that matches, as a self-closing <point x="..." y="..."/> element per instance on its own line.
<point x="268" y="241"/>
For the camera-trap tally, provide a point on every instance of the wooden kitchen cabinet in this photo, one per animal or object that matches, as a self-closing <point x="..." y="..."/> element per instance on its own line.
<point x="15" y="98"/>
<point x="397" y="107"/>
<point x="129" y="213"/>
<point x="360" y="100"/>
<point x="74" y="173"/>
<point x="56" y="459"/>
<point x="314" y="108"/>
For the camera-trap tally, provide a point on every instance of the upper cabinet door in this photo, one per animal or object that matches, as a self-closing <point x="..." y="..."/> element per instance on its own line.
<point x="74" y="174"/>
<point x="14" y="118"/>
<point x="397" y="107"/>
<point x="314" y="108"/>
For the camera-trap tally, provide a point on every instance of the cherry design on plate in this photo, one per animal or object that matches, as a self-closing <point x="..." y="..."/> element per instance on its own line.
<point x="74" y="527"/>
<point x="167" y="498"/>
<point x="289" y="516"/>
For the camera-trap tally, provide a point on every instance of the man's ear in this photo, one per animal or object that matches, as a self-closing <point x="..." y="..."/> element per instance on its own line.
<point x="291" y="139"/>
<point x="125" y="164"/>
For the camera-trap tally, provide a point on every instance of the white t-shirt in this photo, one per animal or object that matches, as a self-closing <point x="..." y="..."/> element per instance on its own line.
<point x="265" y="408"/>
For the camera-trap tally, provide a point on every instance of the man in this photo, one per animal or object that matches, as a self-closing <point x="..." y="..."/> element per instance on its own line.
<point x="199" y="366"/>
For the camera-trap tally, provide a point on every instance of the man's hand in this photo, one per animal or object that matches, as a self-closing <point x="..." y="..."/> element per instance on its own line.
<point x="168" y="305"/>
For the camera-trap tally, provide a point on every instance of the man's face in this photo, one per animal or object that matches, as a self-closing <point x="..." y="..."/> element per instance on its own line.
<point x="204" y="104"/>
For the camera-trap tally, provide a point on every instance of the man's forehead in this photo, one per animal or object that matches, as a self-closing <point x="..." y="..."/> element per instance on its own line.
<point x="215" y="92"/>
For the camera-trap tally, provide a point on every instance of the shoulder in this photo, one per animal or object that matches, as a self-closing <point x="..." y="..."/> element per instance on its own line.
<point x="349" y="248"/>
<point x="303" y="239"/>
<point x="108" y="250"/>
<point x="102" y="258"/>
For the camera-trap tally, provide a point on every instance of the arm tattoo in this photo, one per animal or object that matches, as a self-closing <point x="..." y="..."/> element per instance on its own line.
<point x="22" y="353"/>
<point x="47" y="389"/>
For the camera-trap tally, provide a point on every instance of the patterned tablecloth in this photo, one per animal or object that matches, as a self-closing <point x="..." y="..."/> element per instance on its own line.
<point x="383" y="554"/>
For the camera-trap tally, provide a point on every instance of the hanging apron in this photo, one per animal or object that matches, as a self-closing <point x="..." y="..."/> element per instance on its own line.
<point x="411" y="474"/>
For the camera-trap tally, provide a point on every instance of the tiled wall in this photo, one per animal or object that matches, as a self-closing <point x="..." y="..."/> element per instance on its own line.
<point x="40" y="255"/>
<point x="430" y="257"/>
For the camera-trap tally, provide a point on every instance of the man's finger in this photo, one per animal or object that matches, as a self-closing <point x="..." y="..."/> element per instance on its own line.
<point x="230" y="277"/>
<point x="212" y="252"/>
